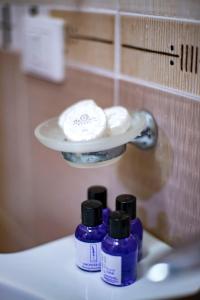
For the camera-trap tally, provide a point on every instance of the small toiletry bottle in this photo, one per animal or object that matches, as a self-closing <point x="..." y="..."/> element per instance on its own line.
<point x="88" y="236"/>
<point x="119" y="252"/>
<point x="127" y="203"/>
<point x="98" y="192"/>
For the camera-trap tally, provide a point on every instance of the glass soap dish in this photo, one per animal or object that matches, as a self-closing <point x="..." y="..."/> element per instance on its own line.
<point x="102" y="151"/>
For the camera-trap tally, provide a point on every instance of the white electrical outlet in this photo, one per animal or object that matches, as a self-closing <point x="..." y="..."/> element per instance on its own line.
<point x="43" y="47"/>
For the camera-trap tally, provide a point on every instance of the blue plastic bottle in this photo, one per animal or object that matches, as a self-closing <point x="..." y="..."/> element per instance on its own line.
<point x="119" y="252"/>
<point x="127" y="203"/>
<point x="88" y="236"/>
<point x="98" y="192"/>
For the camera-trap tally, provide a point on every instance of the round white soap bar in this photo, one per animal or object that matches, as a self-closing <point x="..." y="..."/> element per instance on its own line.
<point x="84" y="121"/>
<point x="62" y="117"/>
<point x="118" y="120"/>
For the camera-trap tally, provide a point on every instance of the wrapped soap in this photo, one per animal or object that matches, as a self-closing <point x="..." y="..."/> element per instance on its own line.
<point x="118" y="120"/>
<point x="83" y="121"/>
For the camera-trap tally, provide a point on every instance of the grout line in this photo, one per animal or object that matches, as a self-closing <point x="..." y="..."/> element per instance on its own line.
<point x="91" y="69"/>
<point x="159" y="87"/>
<point x="116" y="93"/>
<point x="110" y="11"/>
<point x="117" y="44"/>
<point x="178" y="19"/>
<point x="111" y="74"/>
<point x="72" y="8"/>
<point x="117" y="54"/>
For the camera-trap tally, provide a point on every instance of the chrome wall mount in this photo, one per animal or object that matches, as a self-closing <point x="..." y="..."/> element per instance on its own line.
<point x="149" y="135"/>
<point x="94" y="157"/>
<point x="142" y="133"/>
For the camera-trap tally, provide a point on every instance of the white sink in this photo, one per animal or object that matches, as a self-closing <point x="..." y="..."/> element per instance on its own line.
<point x="49" y="272"/>
<point x="10" y="292"/>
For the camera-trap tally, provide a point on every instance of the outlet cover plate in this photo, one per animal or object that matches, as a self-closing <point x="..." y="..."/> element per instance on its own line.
<point x="43" y="50"/>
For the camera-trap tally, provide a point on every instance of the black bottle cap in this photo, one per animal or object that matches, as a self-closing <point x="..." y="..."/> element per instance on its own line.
<point x="98" y="192"/>
<point x="91" y="213"/>
<point x="127" y="203"/>
<point x="119" y="227"/>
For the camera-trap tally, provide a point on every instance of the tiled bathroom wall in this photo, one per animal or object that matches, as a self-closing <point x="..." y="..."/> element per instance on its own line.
<point x="117" y="52"/>
<point x="120" y="43"/>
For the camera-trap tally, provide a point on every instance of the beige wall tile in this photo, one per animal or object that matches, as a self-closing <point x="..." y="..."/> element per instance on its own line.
<point x="87" y="24"/>
<point x="161" y="51"/>
<point x="94" y="54"/>
<point x="89" y="38"/>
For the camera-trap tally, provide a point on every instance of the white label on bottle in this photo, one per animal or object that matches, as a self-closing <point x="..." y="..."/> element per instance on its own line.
<point x="111" y="268"/>
<point x="88" y="255"/>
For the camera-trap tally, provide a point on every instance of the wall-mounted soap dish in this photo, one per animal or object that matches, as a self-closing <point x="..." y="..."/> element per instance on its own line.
<point x="102" y="151"/>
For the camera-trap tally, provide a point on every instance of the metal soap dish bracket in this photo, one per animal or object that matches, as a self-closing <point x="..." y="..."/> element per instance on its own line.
<point x="103" y="151"/>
